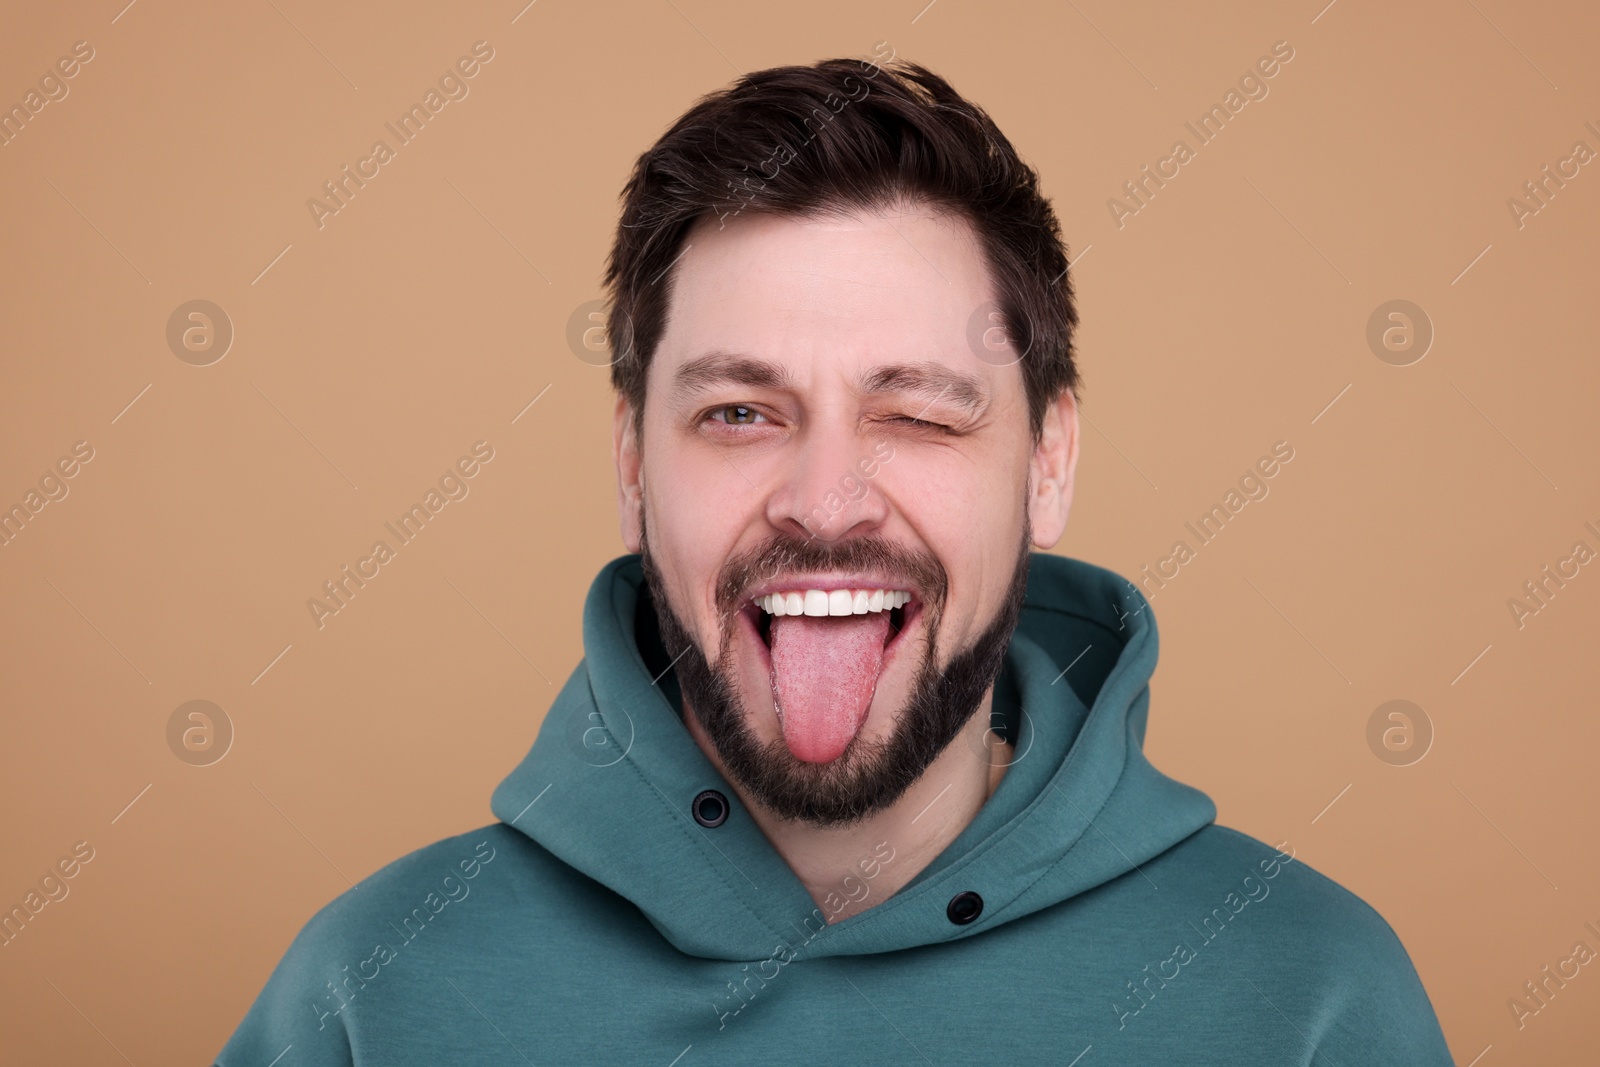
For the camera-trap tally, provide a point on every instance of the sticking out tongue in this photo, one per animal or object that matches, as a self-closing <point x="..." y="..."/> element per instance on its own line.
<point x="824" y="672"/>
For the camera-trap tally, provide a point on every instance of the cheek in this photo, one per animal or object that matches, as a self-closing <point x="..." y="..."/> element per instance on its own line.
<point x="977" y="495"/>
<point x="968" y="512"/>
<point x="697" y="509"/>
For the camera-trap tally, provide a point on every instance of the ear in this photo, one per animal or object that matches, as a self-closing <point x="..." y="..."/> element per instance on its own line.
<point x="1051" y="471"/>
<point x="630" y="472"/>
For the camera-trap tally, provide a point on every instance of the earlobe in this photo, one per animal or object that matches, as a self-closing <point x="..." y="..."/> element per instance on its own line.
<point x="630" y="473"/>
<point x="1052" y="471"/>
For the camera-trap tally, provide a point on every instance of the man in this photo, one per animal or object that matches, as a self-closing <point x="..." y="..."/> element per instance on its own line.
<point x="847" y="774"/>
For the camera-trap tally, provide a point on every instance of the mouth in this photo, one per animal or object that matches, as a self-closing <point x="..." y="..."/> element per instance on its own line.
<point x="824" y="645"/>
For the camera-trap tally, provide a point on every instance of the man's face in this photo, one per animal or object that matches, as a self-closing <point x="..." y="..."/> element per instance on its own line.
<point x="819" y="435"/>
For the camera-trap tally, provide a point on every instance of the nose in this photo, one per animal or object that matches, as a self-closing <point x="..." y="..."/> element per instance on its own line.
<point x="828" y="489"/>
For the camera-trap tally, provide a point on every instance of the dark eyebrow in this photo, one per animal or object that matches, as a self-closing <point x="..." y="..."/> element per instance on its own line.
<point x="930" y="380"/>
<point x="722" y="367"/>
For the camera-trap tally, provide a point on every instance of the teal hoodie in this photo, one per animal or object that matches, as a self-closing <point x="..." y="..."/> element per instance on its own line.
<point x="599" y="922"/>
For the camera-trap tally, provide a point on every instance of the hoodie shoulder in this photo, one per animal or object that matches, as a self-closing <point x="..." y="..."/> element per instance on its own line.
<point x="359" y="957"/>
<point x="1320" y="955"/>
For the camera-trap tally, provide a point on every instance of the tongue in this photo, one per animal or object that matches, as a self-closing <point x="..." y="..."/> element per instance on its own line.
<point x="824" y="671"/>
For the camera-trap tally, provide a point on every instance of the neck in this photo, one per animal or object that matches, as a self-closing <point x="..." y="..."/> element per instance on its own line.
<point x="848" y="869"/>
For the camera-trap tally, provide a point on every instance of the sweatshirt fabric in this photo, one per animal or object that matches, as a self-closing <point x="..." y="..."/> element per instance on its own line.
<point x="1091" y="914"/>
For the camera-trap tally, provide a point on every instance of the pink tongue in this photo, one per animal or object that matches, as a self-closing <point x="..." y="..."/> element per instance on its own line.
<point x="824" y="672"/>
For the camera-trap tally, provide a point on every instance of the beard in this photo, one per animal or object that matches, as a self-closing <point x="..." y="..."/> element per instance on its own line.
<point x="868" y="776"/>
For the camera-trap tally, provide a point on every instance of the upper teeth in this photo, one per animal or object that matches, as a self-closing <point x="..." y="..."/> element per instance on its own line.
<point x="832" y="602"/>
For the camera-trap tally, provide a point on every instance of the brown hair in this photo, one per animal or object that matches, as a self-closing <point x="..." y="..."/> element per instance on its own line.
<point x="846" y="135"/>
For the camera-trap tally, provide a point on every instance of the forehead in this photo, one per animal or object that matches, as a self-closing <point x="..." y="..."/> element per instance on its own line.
<point x="866" y="288"/>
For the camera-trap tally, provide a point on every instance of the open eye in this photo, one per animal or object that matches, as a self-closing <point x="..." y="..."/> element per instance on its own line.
<point x="736" y="415"/>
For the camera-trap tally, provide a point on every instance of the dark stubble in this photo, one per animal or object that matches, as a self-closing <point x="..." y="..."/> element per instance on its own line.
<point x="870" y="775"/>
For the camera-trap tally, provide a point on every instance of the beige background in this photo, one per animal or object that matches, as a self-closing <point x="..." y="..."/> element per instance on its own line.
<point x="369" y="354"/>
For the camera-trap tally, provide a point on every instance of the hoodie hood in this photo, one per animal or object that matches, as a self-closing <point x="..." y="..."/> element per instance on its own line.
<point x="608" y="784"/>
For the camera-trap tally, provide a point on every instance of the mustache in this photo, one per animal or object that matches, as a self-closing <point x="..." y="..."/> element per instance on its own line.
<point x="779" y="554"/>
